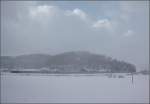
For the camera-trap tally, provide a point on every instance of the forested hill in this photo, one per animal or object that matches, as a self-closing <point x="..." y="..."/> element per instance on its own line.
<point x="80" y="61"/>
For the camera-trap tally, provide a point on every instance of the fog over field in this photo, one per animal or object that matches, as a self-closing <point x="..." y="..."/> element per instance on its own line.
<point x="74" y="52"/>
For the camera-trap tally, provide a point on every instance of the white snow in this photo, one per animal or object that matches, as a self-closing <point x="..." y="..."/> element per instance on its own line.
<point x="74" y="89"/>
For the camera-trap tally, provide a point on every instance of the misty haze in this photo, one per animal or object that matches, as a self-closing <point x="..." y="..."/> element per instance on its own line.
<point x="74" y="52"/>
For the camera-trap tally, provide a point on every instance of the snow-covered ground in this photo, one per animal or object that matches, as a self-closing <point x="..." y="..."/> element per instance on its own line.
<point x="17" y="88"/>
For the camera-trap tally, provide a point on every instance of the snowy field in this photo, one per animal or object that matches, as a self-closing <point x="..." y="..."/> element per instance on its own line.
<point x="97" y="88"/>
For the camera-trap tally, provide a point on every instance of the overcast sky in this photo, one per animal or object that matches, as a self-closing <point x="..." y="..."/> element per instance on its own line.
<point x="119" y="29"/>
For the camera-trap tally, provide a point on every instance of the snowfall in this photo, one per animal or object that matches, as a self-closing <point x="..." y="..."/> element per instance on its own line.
<point x="74" y="88"/>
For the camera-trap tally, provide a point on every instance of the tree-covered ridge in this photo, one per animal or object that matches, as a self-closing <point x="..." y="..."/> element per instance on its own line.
<point x="80" y="61"/>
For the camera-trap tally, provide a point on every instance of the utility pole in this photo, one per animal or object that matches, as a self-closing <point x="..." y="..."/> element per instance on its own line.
<point x="132" y="77"/>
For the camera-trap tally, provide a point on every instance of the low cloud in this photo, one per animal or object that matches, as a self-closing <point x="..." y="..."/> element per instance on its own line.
<point x="103" y="24"/>
<point x="77" y="12"/>
<point x="41" y="10"/>
<point x="129" y="33"/>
